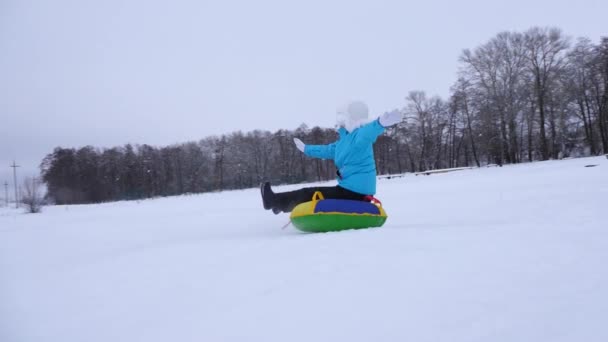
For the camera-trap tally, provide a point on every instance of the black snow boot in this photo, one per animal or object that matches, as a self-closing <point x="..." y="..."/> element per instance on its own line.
<point x="267" y="195"/>
<point x="268" y="198"/>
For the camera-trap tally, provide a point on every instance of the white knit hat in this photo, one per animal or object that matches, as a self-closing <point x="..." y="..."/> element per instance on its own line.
<point x="353" y="115"/>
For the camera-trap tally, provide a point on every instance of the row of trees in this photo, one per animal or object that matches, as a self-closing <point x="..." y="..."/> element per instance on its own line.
<point x="235" y="161"/>
<point x="532" y="97"/>
<point x="519" y="97"/>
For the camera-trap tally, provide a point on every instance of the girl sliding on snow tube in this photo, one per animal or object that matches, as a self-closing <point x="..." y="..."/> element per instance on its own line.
<point x="352" y="154"/>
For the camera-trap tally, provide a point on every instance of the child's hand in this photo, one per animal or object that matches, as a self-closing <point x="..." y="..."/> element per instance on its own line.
<point x="391" y="118"/>
<point x="299" y="144"/>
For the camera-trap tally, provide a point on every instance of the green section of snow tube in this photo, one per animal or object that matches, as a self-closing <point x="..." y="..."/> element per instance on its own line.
<point x="322" y="223"/>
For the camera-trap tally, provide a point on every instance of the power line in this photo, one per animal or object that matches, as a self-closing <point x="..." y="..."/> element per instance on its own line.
<point x="15" y="166"/>
<point x="6" y="192"/>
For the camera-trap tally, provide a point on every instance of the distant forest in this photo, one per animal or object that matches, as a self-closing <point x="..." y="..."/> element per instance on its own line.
<point x="519" y="97"/>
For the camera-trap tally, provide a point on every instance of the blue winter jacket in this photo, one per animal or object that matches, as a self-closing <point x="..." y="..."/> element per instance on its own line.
<point x="353" y="155"/>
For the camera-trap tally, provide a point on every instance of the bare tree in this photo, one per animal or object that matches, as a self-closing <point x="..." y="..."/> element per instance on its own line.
<point x="461" y="102"/>
<point x="580" y="75"/>
<point x="495" y="71"/>
<point x="602" y="90"/>
<point x="546" y="53"/>
<point x="32" y="197"/>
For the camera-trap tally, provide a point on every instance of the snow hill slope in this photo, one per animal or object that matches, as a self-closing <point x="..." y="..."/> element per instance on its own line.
<point x="516" y="253"/>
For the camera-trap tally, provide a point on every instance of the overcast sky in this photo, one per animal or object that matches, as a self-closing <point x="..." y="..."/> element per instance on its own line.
<point x="109" y="72"/>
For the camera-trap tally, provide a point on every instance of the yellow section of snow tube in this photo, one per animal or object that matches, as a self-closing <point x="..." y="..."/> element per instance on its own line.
<point x="328" y="215"/>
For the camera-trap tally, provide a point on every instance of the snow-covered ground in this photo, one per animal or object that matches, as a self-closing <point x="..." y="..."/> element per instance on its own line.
<point x="517" y="253"/>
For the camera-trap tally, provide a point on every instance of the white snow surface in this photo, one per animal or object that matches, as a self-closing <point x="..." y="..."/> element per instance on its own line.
<point x="517" y="253"/>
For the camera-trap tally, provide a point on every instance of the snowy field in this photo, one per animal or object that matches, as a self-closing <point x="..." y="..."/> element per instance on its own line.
<point x="517" y="253"/>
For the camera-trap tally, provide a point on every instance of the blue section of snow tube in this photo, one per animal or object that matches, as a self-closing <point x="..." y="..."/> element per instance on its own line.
<point x="346" y="206"/>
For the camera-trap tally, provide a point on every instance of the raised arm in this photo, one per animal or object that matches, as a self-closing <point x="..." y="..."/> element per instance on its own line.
<point x="317" y="151"/>
<point x="370" y="132"/>
<point x="321" y="151"/>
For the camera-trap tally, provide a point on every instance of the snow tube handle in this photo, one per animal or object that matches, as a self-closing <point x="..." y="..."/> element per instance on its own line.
<point x="317" y="196"/>
<point x="373" y="200"/>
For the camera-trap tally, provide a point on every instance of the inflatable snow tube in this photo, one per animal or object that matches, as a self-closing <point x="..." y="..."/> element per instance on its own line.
<point x="329" y="215"/>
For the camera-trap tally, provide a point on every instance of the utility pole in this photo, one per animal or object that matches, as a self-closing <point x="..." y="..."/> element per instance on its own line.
<point x="15" y="166"/>
<point x="6" y="192"/>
